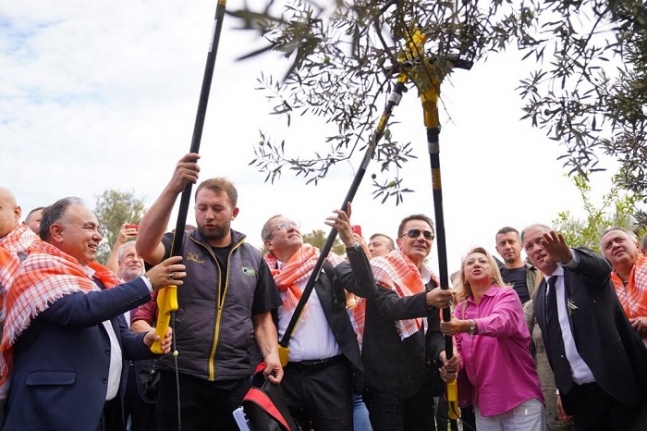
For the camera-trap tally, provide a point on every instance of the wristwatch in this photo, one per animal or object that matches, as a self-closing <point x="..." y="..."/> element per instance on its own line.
<point x="356" y="245"/>
<point x="472" y="329"/>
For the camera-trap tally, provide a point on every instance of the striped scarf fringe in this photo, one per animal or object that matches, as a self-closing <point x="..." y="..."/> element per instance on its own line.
<point x="44" y="277"/>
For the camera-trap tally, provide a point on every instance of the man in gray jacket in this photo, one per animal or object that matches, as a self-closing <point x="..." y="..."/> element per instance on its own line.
<point x="224" y="310"/>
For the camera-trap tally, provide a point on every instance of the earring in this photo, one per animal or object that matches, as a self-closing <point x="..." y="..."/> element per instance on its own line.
<point x="466" y="283"/>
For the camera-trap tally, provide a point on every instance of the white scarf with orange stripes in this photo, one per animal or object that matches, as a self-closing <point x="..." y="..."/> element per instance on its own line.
<point x="397" y="272"/>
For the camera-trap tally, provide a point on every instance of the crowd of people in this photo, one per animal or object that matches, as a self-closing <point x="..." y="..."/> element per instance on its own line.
<point x="553" y="342"/>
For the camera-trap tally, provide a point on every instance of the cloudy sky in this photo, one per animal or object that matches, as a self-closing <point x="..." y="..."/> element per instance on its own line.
<point x="103" y="94"/>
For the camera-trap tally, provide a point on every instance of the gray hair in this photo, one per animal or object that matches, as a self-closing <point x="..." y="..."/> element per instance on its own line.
<point x="632" y="236"/>
<point x="122" y="249"/>
<point x="266" y="232"/>
<point x="55" y="213"/>
<point x="534" y="226"/>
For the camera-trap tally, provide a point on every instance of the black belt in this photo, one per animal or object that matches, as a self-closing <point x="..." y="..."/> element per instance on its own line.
<point x="315" y="365"/>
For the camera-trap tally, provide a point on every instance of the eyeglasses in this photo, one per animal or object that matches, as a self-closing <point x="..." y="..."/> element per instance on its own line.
<point x="284" y="225"/>
<point x="415" y="233"/>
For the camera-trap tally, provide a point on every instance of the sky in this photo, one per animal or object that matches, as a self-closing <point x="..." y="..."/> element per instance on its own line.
<point x="103" y="95"/>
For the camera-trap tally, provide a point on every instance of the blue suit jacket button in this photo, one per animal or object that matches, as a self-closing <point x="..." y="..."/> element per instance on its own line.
<point x="104" y="380"/>
<point x="107" y="351"/>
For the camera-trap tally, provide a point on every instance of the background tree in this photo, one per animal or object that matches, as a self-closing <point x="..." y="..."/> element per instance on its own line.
<point x="616" y="209"/>
<point x="318" y="238"/>
<point x="114" y="208"/>
<point x="588" y="91"/>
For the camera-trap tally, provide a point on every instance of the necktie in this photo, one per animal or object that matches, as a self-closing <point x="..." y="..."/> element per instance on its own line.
<point x="559" y="362"/>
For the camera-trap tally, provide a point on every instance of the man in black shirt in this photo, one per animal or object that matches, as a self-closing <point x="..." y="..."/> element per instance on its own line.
<point x="514" y="271"/>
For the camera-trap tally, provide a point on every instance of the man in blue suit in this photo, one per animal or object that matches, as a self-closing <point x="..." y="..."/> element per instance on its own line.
<point x="65" y="339"/>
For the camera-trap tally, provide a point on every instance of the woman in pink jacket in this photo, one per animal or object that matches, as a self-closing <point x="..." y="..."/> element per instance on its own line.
<point x="493" y="341"/>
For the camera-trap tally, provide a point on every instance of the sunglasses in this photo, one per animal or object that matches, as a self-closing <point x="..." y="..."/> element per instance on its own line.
<point x="284" y="225"/>
<point x="415" y="233"/>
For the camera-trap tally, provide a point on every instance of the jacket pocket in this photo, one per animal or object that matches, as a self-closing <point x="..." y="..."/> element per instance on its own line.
<point x="44" y="378"/>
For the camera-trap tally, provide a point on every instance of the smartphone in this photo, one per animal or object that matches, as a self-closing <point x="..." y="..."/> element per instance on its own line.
<point x="132" y="226"/>
<point x="357" y="229"/>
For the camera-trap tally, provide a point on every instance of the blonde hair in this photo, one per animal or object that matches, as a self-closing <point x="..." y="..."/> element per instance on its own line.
<point x="465" y="289"/>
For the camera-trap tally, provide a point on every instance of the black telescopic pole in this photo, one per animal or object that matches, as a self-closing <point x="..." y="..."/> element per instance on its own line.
<point x="199" y="122"/>
<point x="428" y="74"/>
<point x="394" y="99"/>
<point x="441" y="243"/>
<point x="167" y="296"/>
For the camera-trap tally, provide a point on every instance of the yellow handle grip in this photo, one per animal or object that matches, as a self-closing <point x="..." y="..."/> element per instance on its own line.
<point x="452" y="401"/>
<point x="284" y="354"/>
<point x="167" y="304"/>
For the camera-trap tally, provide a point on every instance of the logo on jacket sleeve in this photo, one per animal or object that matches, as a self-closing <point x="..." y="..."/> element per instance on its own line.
<point x="248" y="270"/>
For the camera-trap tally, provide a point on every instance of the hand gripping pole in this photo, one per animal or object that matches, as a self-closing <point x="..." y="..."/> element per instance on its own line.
<point x="167" y="296"/>
<point x="394" y="99"/>
<point x="428" y="73"/>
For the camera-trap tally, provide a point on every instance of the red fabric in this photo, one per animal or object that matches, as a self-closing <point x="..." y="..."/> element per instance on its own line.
<point x="259" y="397"/>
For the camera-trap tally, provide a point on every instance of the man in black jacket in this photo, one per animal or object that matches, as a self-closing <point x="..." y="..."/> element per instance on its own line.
<point x="599" y="361"/>
<point x="402" y="339"/>
<point x="324" y="361"/>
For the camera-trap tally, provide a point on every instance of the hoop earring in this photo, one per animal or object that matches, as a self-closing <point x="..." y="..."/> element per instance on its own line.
<point x="466" y="283"/>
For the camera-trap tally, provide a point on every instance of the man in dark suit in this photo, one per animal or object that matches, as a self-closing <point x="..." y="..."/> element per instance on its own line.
<point x="65" y="338"/>
<point x="599" y="362"/>
<point x="403" y="346"/>
<point x="324" y="360"/>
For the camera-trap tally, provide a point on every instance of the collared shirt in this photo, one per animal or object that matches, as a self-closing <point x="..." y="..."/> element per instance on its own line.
<point x="497" y="359"/>
<point x="116" y="358"/>
<point x="312" y="337"/>
<point x="425" y="274"/>
<point x="580" y="371"/>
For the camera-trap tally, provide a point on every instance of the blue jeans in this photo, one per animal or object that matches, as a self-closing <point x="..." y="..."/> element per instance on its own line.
<point x="361" y="422"/>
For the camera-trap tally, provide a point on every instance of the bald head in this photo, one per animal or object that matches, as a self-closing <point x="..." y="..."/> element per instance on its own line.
<point x="9" y="212"/>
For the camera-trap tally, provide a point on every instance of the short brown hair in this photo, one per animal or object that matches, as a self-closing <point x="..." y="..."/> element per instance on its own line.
<point x="220" y="184"/>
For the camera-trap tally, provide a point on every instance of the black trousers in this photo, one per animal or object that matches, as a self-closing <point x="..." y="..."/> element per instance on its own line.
<point x="143" y="415"/>
<point x="111" y="417"/>
<point x="319" y="395"/>
<point x="390" y="412"/>
<point x="204" y="405"/>
<point x="595" y="410"/>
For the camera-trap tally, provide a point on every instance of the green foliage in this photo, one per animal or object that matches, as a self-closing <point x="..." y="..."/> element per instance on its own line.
<point x="588" y="91"/>
<point x="114" y="208"/>
<point x="616" y="209"/>
<point x="318" y="238"/>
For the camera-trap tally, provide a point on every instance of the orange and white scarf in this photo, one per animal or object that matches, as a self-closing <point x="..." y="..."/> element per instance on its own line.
<point x="45" y="276"/>
<point x="397" y="272"/>
<point x="18" y="241"/>
<point x="296" y="270"/>
<point x="9" y="265"/>
<point x="633" y="296"/>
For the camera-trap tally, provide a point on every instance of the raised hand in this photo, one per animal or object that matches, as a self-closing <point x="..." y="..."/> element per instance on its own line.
<point x="556" y="247"/>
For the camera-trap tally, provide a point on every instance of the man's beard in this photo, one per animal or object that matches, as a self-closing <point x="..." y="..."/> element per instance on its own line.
<point x="216" y="233"/>
<point x="132" y="273"/>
